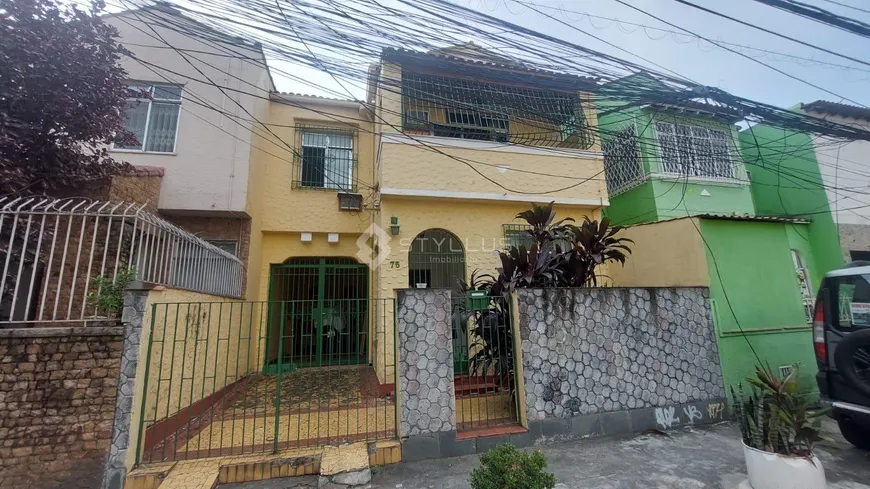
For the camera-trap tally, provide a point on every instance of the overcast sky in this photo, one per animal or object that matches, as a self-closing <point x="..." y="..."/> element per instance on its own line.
<point x="698" y="60"/>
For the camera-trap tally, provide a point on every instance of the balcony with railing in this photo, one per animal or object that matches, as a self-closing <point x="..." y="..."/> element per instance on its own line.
<point x="62" y="259"/>
<point x="487" y="132"/>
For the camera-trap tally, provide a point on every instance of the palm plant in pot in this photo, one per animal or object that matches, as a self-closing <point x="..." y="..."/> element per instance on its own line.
<point x="779" y="430"/>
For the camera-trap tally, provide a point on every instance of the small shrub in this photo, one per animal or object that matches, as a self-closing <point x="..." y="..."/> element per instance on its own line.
<point x="107" y="296"/>
<point x="775" y="416"/>
<point x="505" y="467"/>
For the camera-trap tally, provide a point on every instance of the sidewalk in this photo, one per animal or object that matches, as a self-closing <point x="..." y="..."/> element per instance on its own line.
<point x="707" y="457"/>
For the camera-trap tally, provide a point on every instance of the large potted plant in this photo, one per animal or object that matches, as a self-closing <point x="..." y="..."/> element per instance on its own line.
<point x="779" y="430"/>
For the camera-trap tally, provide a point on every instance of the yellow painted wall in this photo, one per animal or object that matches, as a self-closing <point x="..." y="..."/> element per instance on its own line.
<point x="199" y="343"/>
<point x="283" y="208"/>
<point x="664" y="254"/>
<point x="450" y="169"/>
<point x="477" y="224"/>
<point x="278" y="247"/>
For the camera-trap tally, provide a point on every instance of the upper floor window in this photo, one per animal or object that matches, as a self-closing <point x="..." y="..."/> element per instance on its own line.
<point x="154" y="120"/>
<point x="516" y="235"/>
<point x="622" y="164"/>
<point x="694" y="151"/>
<point x="473" y="125"/>
<point x="228" y="245"/>
<point x="469" y="108"/>
<point x="326" y="158"/>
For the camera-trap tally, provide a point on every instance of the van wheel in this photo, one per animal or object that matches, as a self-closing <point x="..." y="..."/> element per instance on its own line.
<point x="855" y="433"/>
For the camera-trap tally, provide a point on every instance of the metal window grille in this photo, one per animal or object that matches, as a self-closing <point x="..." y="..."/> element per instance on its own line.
<point x="622" y="165"/>
<point x="325" y="158"/>
<point x="229" y="245"/>
<point x="52" y="251"/>
<point x="516" y="235"/>
<point x="474" y="109"/>
<point x="694" y="151"/>
<point x="806" y="287"/>
<point x="154" y="119"/>
<point x="417" y="119"/>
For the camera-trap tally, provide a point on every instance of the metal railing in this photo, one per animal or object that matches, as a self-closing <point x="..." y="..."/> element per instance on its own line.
<point x="228" y="378"/>
<point x="59" y="256"/>
<point x="484" y="364"/>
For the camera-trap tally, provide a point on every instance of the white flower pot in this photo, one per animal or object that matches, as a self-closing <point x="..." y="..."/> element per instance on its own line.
<point x="768" y="470"/>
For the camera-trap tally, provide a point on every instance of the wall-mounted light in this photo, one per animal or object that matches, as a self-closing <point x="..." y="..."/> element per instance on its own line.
<point x="332" y="238"/>
<point x="305" y="237"/>
<point x="394" y="225"/>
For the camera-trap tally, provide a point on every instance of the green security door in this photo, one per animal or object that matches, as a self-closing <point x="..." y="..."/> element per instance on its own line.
<point x="318" y="313"/>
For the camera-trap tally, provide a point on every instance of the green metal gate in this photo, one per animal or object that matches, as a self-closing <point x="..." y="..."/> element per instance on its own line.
<point x="323" y="321"/>
<point x="206" y="394"/>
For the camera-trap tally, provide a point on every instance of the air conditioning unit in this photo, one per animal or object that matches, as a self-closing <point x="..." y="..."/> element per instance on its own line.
<point x="350" y="202"/>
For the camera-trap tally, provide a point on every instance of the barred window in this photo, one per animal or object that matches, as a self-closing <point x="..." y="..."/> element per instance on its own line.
<point x="622" y="165"/>
<point x="694" y="151"/>
<point x="492" y="111"/>
<point x="154" y="119"/>
<point x="516" y="235"/>
<point x="326" y="158"/>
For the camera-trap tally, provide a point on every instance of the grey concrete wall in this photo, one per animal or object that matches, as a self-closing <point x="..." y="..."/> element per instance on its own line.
<point x="593" y="351"/>
<point x="854" y="237"/>
<point x="428" y="402"/>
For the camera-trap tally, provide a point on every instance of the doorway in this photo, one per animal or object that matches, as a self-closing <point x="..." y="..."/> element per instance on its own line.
<point x="436" y="260"/>
<point x="318" y="312"/>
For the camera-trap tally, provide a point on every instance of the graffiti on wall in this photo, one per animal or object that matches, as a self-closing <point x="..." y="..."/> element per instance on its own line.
<point x="715" y="410"/>
<point x="666" y="417"/>
<point x="692" y="413"/>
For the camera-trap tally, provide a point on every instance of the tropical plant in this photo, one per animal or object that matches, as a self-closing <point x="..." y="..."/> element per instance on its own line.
<point x="543" y="226"/>
<point x="775" y="416"/>
<point x="506" y="467"/>
<point x="543" y="264"/>
<point x="108" y="294"/>
<point x="546" y="264"/>
<point x="593" y="244"/>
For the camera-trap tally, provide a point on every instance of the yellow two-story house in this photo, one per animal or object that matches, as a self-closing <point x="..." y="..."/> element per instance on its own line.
<point x="415" y="187"/>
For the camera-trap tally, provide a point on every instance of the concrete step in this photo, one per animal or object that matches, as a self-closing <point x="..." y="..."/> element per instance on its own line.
<point x="345" y="466"/>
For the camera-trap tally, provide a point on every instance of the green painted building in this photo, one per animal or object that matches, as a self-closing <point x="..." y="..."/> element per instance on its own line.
<point x="767" y="240"/>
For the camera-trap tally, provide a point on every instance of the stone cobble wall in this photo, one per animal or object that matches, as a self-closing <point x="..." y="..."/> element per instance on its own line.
<point x="425" y="352"/>
<point x="135" y="300"/>
<point x="57" y="402"/>
<point x="588" y="351"/>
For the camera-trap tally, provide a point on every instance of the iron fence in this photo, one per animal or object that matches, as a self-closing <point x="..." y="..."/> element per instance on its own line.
<point x="59" y="255"/>
<point x="485" y="363"/>
<point x="227" y="378"/>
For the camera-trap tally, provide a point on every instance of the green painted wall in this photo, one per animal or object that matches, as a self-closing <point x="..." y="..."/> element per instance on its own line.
<point x="634" y="206"/>
<point x="662" y="196"/>
<point x="758" y="276"/>
<point x="676" y="198"/>
<point x="786" y="181"/>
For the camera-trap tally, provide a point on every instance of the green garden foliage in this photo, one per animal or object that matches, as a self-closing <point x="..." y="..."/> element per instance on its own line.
<point x="107" y="296"/>
<point x="775" y="416"/>
<point x="505" y="467"/>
